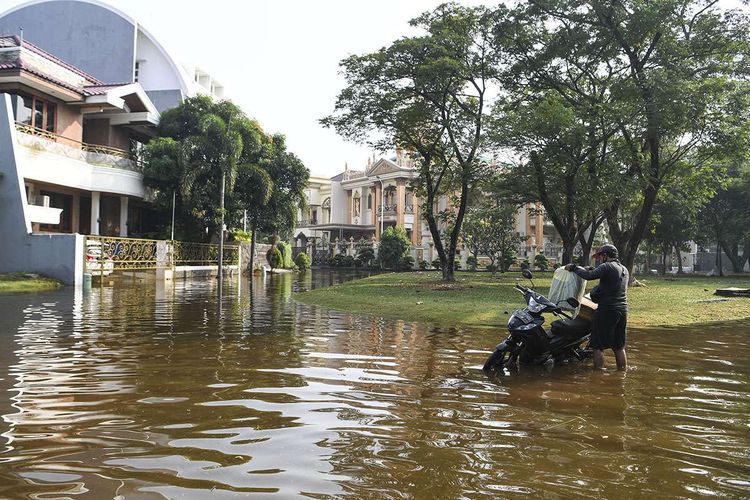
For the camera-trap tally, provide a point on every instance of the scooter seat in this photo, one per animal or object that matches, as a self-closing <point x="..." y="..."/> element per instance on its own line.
<point x="570" y="327"/>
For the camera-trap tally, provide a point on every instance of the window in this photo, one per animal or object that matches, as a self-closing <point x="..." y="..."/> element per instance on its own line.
<point x="369" y="202"/>
<point x="137" y="71"/>
<point x="34" y="112"/>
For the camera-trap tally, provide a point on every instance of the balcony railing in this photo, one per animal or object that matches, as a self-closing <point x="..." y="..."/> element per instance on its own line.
<point x="387" y="209"/>
<point x="94" y="154"/>
<point x="392" y="209"/>
<point x="307" y="223"/>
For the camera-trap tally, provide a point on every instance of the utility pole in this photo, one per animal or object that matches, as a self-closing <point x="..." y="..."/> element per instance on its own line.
<point x="220" y="274"/>
<point x="221" y="230"/>
<point x="174" y="197"/>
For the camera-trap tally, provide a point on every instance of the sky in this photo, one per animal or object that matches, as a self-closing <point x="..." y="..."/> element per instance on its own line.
<point x="278" y="59"/>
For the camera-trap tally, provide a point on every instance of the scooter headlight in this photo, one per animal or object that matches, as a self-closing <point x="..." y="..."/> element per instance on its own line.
<point x="535" y="306"/>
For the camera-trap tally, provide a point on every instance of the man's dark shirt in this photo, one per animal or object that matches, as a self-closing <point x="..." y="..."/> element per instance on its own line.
<point x="612" y="291"/>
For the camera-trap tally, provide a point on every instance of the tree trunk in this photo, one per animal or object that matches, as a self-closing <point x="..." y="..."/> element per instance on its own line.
<point x="663" y="261"/>
<point x="732" y="251"/>
<point x="679" y="258"/>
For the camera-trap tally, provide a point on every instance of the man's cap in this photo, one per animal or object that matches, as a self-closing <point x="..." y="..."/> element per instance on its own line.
<point x="608" y="250"/>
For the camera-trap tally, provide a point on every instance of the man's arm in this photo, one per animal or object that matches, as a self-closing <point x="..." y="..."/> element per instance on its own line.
<point x="593" y="274"/>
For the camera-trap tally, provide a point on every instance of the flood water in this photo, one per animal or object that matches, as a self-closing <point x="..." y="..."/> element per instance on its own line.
<point x="138" y="391"/>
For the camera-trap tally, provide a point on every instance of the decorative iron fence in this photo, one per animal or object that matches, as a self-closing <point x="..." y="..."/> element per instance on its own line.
<point x="105" y="254"/>
<point x="203" y="254"/>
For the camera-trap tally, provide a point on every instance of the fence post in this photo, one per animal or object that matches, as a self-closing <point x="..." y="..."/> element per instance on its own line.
<point x="164" y="262"/>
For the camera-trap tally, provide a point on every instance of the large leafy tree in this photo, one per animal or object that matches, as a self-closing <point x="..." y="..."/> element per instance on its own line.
<point x="428" y="94"/>
<point x="276" y="214"/>
<point x="489" y="230"/>
<point x="668" y="69"/>
<point x="203" y="145"/>
<point x="725" y="219"/>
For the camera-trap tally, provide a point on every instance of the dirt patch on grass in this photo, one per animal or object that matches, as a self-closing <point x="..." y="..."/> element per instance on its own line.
<point x="450" y="287"/>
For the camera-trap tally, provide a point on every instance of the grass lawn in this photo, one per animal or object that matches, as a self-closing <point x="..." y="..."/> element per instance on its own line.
<point x="478" y="299"/>
<point x="19" y="282"/>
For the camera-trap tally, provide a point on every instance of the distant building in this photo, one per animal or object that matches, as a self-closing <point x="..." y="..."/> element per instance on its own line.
<point x="109" y="45"/>
<point x="360" y="204"/>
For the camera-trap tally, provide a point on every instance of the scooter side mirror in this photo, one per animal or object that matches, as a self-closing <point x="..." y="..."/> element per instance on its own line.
<point x="527" y="274"/>
<point x="573" y="302"/>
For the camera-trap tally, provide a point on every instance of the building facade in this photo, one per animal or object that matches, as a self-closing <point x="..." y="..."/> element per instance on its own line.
<point x="360" y="204"/>
<point x="109" y="45"/>
<point x="82" y="86"/>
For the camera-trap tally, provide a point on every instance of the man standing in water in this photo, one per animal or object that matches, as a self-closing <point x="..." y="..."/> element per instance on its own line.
<point x="611" y="294"/>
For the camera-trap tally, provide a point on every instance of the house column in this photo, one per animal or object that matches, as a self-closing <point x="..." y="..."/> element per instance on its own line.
<point x="95" y="212"/>
<point x="416" y="227"/>
<point x="349" y="207"/>
<point x="400" y="202"/>
<point x="123" y="216"/>
<point x="527" y="218"/>
<point x="539" y="229"/>
<point x="75" y="225"/>
<point x="376" y="210"/>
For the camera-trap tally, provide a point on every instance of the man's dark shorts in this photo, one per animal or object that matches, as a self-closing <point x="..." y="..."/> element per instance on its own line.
<point x="609" y="330"/>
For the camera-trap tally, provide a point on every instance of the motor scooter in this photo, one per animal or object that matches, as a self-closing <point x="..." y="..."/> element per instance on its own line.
<point x="530" y="343"/>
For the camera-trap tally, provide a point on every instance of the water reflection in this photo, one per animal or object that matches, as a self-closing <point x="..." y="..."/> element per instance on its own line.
<point x="151" y="392"/>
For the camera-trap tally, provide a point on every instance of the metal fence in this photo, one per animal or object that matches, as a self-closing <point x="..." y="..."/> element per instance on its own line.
<point x="203" y="254"/>
<point x="105" y="254"/>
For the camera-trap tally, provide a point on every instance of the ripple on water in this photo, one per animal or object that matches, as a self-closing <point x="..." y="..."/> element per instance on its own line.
<point x="139" y="391"/>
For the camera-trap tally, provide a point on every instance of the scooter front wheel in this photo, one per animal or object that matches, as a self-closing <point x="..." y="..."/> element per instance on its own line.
<point x="502" y="356"/>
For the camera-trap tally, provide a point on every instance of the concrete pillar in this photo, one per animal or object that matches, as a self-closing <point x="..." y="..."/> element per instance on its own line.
<point x="348" y="207"/>
<point x="400" y="202"/>
<point x="376" y="209"/>
<point x="123" y="216"/>
<point x="350" y="250"/>
<point x="539" y="229"/>
<point x="95" y="198"/>
<point x="416" y="228"/>
<point x="75" y="223"/>
<point x="164" y="261"/>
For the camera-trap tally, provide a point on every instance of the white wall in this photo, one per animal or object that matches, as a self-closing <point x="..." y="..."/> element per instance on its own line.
<point x="57" y="256"/>
<point x="156" y="72"/>
<point x="339" y="204"/>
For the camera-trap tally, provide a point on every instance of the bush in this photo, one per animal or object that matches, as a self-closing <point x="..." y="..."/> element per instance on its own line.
<point x="436" y="264"/>
<point x="492" y="268"/>
<point x="302" y="261"/>
<point x="394" y="246"/>
<point x="456" y="265"/>
<point x="407" y="263"/>
<point x="347" y="261"/>
<point x="525" y="264"/>
<point x="274" y="258"/>
<point x="286" y="254"/>
<point x="337" y="260"/>
<point x="541" y="262"/>
<point x="471" y="262"/>
<point x="358" y="262"/>
<point x="239" y="235"/>
<point x="366" y="255"/>
<point x="424" y="265"/>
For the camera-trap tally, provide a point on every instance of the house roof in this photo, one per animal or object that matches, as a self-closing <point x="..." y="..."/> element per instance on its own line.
<point x="19" y="54"/>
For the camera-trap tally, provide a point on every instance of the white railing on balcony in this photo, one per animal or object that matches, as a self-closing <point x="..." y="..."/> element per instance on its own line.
<point x="90" y="153"/>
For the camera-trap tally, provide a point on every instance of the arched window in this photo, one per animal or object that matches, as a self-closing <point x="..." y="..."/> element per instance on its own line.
<point x="369" y="201"/>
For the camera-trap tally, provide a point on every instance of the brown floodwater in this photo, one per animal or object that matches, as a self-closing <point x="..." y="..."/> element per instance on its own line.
<point x="137" y="391"/>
